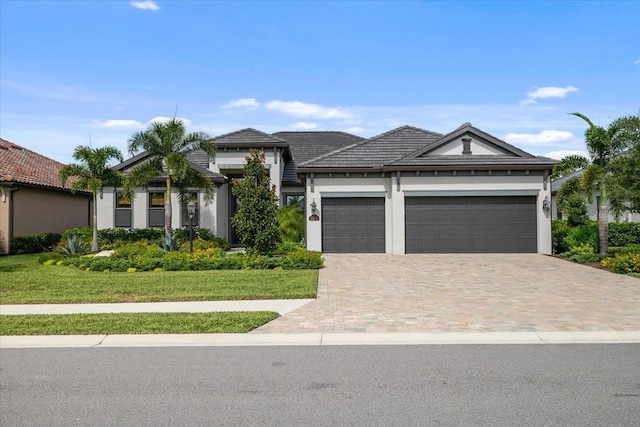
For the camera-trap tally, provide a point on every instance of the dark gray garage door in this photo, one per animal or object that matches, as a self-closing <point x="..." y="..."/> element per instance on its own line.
<point x="473" y="224"/>
<point x="353" y="225"/>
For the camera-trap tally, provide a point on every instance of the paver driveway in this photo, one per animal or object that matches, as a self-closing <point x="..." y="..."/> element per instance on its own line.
<point x="464" y="292"/>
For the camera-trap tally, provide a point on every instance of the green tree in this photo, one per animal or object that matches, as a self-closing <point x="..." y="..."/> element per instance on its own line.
<point x="91" y="174"/>
<point x="569" y="197"/>
<point x="604" y="145"/>
<point x="624" y="176"/>
<point x="255" y="221"/>
<point x="168" y="145"/>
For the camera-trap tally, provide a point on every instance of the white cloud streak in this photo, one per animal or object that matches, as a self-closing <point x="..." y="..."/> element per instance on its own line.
<point x="163" y="119"/>
<point x="301" y="109"/>
<point x="145" y="5"/>
<point x="545" y="137"/>
<point x="120" y="124"/>
<point x="548" y="92"/>
<point x="304" y="126"/>
<point x="559" y="154"/>
<point x="356" y="129"/>
<point x="247" y="103"/>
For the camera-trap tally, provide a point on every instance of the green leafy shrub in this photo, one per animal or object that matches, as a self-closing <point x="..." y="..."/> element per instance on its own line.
<point x="85" y="233"/>
<point x="624" y="233"/>
<point x="212" y="243"/>
<point x="583" y="253"/>
<point x="291" y="222"/>
<point x="584" y="234"/>
<point x="34" y="243"/>
<point x="623" y="263"/>
<point x="559" y="230"/>
<point x="624" y="250"/>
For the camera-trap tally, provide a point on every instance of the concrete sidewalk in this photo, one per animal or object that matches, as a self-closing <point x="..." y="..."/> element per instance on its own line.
<point x="281" y="306"/>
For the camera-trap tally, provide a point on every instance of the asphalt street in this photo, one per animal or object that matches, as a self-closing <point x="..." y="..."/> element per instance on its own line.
<point x="568" y="384"/>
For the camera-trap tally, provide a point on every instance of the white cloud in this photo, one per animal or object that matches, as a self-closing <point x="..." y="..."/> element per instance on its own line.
<point x="559" y="154"/>
<point x="118" y="124"/>
<point x="301" y="109"/>
<point x="248" y="103"/>
<point x="119" y="108"/>
<point x="304" y="126"/>
<point x="145" y="5"/>
<point x="163" y="119"/>
<point x="543" y="138"/>
<point x="548" y="92"/>
<point x="356" y="129"/>
<point x="150" y="88"/>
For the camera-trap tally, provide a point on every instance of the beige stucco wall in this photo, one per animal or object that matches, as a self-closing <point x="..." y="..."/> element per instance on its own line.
<point x="41" y="211"/>
<point x="4" y="220"/>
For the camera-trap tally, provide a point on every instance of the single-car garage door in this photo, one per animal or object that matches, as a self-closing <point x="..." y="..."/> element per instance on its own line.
<point x="471" y="224"/>
<point x="353" y="225"/>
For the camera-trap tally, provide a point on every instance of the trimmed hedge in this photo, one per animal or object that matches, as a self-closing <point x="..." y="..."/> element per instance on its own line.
<point x="565" y="237"/>
<point x="34" y="243"/>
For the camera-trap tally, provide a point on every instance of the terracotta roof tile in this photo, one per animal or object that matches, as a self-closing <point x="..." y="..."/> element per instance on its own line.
<point x="18" y="164"/>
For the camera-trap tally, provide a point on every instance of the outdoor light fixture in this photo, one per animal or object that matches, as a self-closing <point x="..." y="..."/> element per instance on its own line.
<point x="191" y="211"/>
<point x="546" y="204"/>
<point x="314" y="207"/>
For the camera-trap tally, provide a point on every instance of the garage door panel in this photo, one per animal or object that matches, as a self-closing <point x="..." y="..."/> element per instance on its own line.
<point x="474" y="224"/>
<point x="353" y="225"/>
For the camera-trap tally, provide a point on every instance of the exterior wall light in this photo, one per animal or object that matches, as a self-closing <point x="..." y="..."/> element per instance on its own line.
<point x="314" y="207"/>
<point x="546" y="204"/>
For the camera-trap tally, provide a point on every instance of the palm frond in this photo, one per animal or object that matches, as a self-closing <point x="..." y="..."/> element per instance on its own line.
<point x="140" y="176"/>
<point x="569" y="164"/>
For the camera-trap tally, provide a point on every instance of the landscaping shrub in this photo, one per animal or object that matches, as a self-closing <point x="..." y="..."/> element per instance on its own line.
<point x="86" y="233"/>
<point x="624" y="250"/>
<point x="624" y="233"/>
<point x="583" y="253"/>
<point x="623" y="263"/>
<point x="143" y="257"/>
<point x="291" y="223"/>
<point x="210" y="243"/>
<point x="34" y="243"/>
<point x="74" y="246"/>
<point x="585" y="234"/>
<point x="559" y="230"/>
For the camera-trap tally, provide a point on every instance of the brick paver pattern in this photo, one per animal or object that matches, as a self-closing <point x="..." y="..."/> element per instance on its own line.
<point x="463" y="292"/>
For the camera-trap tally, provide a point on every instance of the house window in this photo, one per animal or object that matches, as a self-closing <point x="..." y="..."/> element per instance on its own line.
<point x="185" y="213"/>
<point x="156" y="209"/>
<point x="122" y="213"/>
<point x="293" y="199"/>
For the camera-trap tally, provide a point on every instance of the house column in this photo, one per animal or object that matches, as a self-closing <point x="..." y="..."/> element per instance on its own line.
<point x="397" y="216"/>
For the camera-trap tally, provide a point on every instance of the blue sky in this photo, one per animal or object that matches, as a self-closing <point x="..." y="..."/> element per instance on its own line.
<point x="75" y="70"/>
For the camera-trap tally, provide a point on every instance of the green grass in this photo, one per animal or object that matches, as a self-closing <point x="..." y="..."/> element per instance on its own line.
<point x="134" y="323"/>
<point x="23" y="280"/>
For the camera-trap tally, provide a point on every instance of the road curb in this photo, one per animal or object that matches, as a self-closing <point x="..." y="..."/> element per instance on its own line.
<point x="319" y="339"/>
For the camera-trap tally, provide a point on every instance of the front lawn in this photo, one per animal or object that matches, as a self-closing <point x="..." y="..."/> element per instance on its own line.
<point x="24" y="280"/>
<point x="134" y="323"/>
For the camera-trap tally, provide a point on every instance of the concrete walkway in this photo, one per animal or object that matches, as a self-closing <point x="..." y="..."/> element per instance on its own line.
<point x="281" y="306"/>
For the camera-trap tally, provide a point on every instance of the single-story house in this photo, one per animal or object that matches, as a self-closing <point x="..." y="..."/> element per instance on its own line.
<point x="592" y="206"/>
<point x="408" y="190"/>
<point x="32" y="200"/>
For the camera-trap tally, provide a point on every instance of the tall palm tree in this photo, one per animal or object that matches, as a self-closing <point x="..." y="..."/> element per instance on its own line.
<point x="167" y="145"/>
<point x="603" y="145"/>
<point x="92" y="173"/>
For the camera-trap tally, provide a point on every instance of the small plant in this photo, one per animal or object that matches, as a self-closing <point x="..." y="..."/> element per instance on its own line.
<point x="623" y="263"/>
<point x="74" y="247"/>
<point x="169" y="243"/>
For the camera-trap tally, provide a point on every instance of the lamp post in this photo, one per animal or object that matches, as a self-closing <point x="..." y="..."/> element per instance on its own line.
<point x="191" y="210"/>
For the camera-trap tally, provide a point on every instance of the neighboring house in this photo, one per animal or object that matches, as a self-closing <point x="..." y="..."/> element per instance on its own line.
<point x="592" y="207"/>
<point x="32" y="200"/>
<point x="406" y="191"/>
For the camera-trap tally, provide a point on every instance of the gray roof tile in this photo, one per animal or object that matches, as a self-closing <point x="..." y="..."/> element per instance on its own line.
<point x="305" y="146"/>
<point x="379" y="150"/>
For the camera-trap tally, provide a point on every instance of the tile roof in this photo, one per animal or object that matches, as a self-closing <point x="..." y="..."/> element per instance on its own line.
<point x="249" y="138"/>
<point x="307" y="145"/>
<point x="379" y="150"/>
<point x="475" y="161"/>
<point x="20" y="165"/>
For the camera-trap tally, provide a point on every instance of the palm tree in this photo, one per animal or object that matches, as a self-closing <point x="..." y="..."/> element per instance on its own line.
<point x="167" y="145"/>
<point x="92" y="173"/>
<point x="603" y="145"/>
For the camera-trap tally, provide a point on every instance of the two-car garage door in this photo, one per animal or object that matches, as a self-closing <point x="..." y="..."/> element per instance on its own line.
<point x="441" y="224"/>
<point x="470" y="224"/>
